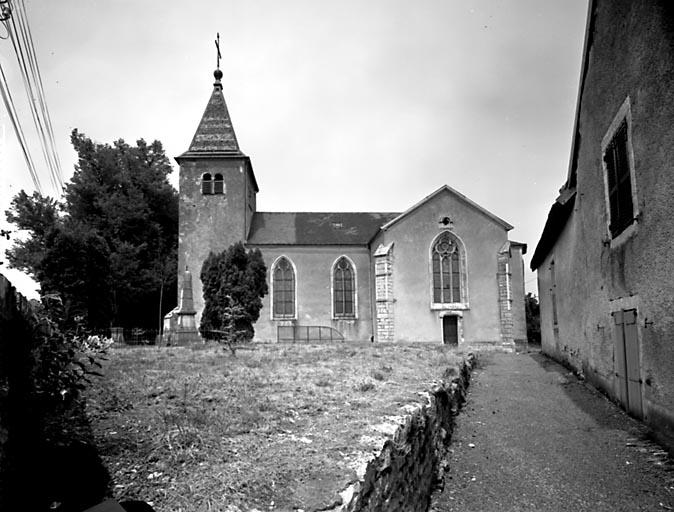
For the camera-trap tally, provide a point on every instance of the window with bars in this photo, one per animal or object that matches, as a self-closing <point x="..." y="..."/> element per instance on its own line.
<point x="619" y="182"/>
<point x="344" y="289"/>
<point x="446" y="263"/>
<point x="207" y="184"/>
<point x="283" y="289"/>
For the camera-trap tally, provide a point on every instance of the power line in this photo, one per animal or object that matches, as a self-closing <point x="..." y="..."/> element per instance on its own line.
<point x="9" y="105"/>
<point x="15" y="21"/>
<point x="21" y="48"/>
<point x="42" y="97"/>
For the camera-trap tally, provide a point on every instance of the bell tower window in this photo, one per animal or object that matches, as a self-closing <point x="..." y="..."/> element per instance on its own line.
<point x="218" y="185"/>
<point x="207" y="184"/>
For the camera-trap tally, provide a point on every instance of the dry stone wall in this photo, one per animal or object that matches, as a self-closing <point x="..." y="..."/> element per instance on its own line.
<point x="410" y="465"/>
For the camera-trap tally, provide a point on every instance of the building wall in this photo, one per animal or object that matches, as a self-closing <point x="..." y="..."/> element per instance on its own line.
<point x="313" y="281"/>
<point x="630" y="56"/>
<point x="210" y="222"/>
<point x="412" y="236"/>
<point x="516" y="265"/>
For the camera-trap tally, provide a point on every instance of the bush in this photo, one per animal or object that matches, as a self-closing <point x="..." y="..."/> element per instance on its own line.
<point x="44" y="364"/>
<point x="234" y="283"/>
<point x="533" y="314"/>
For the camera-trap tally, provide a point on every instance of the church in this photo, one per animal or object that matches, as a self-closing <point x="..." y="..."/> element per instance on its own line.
<point x="443" y="271"/>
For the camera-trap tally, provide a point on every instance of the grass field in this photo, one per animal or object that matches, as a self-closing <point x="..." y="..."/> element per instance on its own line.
<point x="276" y="427"/>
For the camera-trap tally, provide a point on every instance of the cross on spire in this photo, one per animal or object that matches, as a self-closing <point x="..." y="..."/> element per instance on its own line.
<point x="217" y="47"/>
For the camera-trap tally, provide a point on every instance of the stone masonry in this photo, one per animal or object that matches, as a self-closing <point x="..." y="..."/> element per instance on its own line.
<point x="383" y="270"/>
<point x="505" y="298"/>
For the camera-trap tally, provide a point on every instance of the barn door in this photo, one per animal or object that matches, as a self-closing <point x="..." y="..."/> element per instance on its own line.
<point x="450" y="330"/>
<point x="626" y="361"/>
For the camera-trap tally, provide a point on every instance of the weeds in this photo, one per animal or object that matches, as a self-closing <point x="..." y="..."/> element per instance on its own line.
<point x="218" y="430"/>
<point x="365" y="386"/>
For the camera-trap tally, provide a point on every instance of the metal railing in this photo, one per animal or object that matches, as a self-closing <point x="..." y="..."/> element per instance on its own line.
<point x="307" y="334"/>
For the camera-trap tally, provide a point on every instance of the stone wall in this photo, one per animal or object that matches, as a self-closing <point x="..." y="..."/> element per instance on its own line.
<point x="505" y="301"/>
<point x="385" y="314"/>
<point x="410" y="465"/>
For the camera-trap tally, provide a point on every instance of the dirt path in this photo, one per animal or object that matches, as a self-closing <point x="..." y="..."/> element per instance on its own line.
<point x="532" y="437"/>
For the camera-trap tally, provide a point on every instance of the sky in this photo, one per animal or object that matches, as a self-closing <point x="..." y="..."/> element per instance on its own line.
<point x="341" y="106"/>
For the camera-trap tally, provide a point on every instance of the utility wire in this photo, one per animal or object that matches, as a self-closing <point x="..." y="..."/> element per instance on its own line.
<point x="43" y="100"/>
<point x="18" y="42"/>
<point x="9" y="105"/>
<point x="15" y="20"/>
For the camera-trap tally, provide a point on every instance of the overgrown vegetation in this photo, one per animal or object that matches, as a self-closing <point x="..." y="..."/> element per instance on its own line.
<point x="279" y="427"/>
<point x="533" y="314"/>
<point x="234" y="282"/>
<point x="109" y="247"/>
<point x="47" y="457"/>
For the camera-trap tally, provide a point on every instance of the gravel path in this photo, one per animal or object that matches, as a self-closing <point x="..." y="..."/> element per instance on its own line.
<point x="533" y="438"/>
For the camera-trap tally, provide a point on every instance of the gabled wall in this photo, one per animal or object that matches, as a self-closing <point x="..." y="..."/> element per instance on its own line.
<point x="412" y="237"/>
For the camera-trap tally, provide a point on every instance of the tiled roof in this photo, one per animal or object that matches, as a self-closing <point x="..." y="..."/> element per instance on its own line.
<point x="215" y="133"/>
<point x="310" y="228"/>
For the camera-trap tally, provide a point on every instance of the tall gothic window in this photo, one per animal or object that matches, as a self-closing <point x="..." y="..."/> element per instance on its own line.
<point x="218" y="184"/>
<point x="446" y="262"/>
<point x="207" y="184"/>
<point x="344" y="289"/>
<point x="283" y="289"/>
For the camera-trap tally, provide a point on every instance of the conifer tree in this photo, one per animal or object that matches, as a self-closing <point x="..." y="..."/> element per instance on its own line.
<point x="234" y="282"/>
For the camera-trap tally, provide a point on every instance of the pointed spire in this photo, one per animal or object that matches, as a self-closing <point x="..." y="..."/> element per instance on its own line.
<point x="215" y="133"/>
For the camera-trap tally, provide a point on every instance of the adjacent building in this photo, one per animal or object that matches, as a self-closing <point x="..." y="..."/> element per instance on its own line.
<point x="605" y="258"/>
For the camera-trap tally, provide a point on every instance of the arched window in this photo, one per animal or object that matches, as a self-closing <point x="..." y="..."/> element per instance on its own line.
<point x="446" y="263"/>
<point x="218" y="185"/>
<point x="344" y="289"/>
<point x="283" y="289"/>
<point x="206" y="184"/>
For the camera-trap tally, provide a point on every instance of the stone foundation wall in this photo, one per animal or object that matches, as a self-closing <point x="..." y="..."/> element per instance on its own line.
<point x="410" y="465"/>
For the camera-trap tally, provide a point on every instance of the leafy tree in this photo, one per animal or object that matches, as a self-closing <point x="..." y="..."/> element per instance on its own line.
<point x="234" y="282"/>
<point x="533" y="314"/>
<point x="110" y="246"/>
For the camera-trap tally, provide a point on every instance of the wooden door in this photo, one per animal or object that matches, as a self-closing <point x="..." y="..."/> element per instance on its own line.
<point x="626" y="361"/>
<point x="450" y="330"/>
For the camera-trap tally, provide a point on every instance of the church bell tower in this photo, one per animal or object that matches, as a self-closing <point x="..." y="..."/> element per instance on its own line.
<point x="217" y="191"/>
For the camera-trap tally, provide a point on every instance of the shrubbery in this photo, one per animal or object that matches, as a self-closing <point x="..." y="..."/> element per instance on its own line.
<point x="234" y="283"/>
<point x="44" y="364"/>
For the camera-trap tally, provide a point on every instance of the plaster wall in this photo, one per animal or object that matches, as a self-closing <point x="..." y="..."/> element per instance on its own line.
<point x="412" y="279"/>
<point x="210" y="222"/>
<point x="631" y="55"/>
<point x="517" y="294"/>
<point x="313" y="281"/>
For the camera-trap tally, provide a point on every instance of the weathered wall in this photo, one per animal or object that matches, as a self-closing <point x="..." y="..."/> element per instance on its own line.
<point x="412" y="276"/>
<point x="313" y="282"/>
<point x="211" y="222"/>
<point x="631" y="55"/>
<point x="518" y="294"/>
